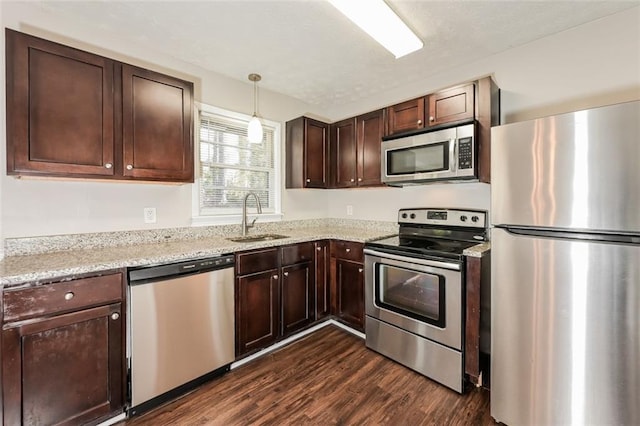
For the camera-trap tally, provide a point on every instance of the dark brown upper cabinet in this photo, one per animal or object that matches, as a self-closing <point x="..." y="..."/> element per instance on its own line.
<point x="451" y="105"/>
<point x="369" y="132"/>
<point x="405" y="116"/>
<point x="157" y="126"/>
<point x="343" y="153"/>
<point x="71" y="113"/>
<point x="355" y="150"/>
<point x="307" y="151"/>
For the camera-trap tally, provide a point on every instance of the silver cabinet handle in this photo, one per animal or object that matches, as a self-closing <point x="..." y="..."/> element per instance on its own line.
<point x="359" y="179"/>
<point x="348" y="250"/>
<point x="275" y="277"/>
<point x="319" y="248"/>
<point x="129" y="167"/>
<point x="432" y="119"/>
<point x="419" y="122"/>
<point x="308" y="180"/>
<point x="360" y="270"/>
<point x="286" y="274"/>
<point x="108" y="166"/>
<point x="115" y="316"/>
<point x="69" y="295"/>
<point x="353" y="180"/>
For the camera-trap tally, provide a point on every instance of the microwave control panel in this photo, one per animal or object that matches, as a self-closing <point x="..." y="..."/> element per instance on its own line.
<point x="465" y="153"/>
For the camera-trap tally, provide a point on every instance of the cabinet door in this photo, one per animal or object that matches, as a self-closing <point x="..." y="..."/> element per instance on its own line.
<point x="64" y="369"/>
<point x="451" y="105"/>
<point x="406" y="116"/>
<point x="369" y="131"/>
<point x="257" y="313"/>
<point x="350" y="292"/>
<point x="297" y="297"/>
<point x="323" y="290"/>
<point x="343" y="153"/>
<point x="157" y="126"/>
<point x="316" y="151"/>
<point x="60" y="116"/>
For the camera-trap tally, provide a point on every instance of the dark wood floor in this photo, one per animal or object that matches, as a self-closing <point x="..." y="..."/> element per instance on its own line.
<point x="327" y="378"/>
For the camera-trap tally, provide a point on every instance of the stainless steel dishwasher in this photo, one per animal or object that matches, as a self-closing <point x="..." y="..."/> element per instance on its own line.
<point x="181" y="328"/>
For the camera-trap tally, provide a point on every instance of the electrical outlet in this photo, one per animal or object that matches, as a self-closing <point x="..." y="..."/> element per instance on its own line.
<point x="149" y="215"/>
<point x="349" y="210"/>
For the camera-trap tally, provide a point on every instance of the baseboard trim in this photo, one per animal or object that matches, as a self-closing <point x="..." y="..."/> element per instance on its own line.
<point x="293" y="338"/>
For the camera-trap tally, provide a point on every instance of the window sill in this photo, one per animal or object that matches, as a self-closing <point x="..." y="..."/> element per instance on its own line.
<point x="234" y="219"/>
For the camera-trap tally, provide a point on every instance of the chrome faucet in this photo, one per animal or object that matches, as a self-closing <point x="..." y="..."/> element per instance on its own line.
<point x="245" y="225"/>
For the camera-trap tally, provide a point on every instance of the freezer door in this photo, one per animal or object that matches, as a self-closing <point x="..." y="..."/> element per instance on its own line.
<point x="579" y="170"/>
<point x="565" y="325"/>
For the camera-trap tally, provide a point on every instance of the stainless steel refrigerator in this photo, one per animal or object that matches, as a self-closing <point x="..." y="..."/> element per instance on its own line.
<point x="565" y="285"/>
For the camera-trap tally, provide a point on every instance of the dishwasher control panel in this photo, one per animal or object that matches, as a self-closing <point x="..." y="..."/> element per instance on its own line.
<point x="145" y="274"/>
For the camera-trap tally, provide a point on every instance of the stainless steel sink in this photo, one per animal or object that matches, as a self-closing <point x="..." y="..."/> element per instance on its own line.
<point x="256" y="238"/>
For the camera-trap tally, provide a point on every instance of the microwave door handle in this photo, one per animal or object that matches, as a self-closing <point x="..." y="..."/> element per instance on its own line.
<point x="453" y="148"/>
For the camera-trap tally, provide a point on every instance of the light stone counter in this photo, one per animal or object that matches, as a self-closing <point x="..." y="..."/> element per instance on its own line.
<point x="74" y="255"/>
<point x="478" y="250"/>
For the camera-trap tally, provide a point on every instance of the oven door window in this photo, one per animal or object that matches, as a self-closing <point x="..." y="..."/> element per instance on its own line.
<point x="415" y="294"/>
<point x="418" y="159"/>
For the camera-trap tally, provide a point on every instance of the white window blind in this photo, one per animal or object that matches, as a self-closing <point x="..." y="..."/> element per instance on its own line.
<point x="231" y="166"/>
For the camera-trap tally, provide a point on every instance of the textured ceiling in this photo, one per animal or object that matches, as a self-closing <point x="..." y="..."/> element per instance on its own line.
<point x="306" y="49"/>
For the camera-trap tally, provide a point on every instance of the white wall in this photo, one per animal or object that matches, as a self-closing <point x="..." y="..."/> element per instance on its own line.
<point x="590" y="65"/>
<point x="45" y="207"/>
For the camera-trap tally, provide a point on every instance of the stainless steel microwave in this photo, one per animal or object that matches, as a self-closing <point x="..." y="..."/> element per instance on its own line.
<point x="441" y="155"/>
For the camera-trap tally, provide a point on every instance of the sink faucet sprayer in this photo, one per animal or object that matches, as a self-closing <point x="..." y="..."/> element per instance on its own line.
<point x="245" y="225"/>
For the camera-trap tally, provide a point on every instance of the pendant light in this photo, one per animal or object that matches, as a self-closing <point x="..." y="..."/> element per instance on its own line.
<point x="254" y="130"/>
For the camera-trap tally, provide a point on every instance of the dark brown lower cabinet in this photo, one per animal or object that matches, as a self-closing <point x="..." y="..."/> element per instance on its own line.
<point x="350" y="292"/>
<point x="257" y="313"/>
<point x="297" y="297"/>
<point x="275" y="302"/>
<point x="65" y="368"/>
<point x="323" y="288"/>
<point x="347" y="269"/>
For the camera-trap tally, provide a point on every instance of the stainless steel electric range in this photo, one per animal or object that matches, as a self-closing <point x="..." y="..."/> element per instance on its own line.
<point x="415" y="291"/>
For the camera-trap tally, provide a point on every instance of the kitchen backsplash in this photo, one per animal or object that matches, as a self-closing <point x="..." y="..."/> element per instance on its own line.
<point x="56" y="243"/>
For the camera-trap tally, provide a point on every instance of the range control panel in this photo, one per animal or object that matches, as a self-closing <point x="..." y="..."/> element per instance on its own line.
<point x="443" y="217"/>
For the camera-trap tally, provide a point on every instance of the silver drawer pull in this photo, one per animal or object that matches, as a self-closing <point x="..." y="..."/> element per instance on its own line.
<point x="129" y="167"/>
<point x="69" y="295"/>
<point x="319" y="248"/>
<point x="275" y="277"/>
<point x="115" y="316"/>
<point x="348" y="250"/>
<point x="286" y="274"/>
<point x="108" y="166"/>
<point x="360" y="270"/>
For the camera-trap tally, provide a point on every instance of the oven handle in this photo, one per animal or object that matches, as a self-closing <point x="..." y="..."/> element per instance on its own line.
<point x="425" y="262"/>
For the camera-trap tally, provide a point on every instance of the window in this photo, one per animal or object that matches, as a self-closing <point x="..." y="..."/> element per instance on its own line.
<point x="228" y="166"/>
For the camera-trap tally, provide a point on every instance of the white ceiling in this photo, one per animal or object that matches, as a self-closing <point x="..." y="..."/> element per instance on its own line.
<point x="306" y="49"/>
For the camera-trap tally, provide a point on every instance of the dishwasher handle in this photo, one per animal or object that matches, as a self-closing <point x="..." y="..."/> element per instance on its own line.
<point x="146" y="274"/>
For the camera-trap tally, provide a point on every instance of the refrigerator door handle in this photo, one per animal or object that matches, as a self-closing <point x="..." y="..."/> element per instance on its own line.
<point x="573" y="235"/>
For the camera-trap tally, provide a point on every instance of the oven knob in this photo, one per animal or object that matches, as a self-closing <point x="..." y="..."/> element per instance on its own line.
<point x="413" y="216"/>
<point x="474" y="218"/>
<point x="463" y="218"/>
<point x="404" y="215"/>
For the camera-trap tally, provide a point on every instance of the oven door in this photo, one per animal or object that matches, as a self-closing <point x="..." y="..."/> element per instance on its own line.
<point x="421" y="296"/>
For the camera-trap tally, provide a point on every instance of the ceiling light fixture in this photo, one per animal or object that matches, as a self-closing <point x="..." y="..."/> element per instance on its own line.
<point x="378" y="20"/>
<point x="254" y="130"/>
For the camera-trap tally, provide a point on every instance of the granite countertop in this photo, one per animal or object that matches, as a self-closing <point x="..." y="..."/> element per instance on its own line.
<point x="33" y="260"/>
<point x="479" y="250"/>
<point x="16" y="271"/>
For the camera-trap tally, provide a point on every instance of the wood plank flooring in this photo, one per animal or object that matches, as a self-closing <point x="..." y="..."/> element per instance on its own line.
<point x="327" y="378"/>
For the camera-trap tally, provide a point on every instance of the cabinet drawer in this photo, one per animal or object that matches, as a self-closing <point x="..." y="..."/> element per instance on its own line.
<point x="348" y="250"/>
<point x="297" y="253"/>
<point x="256" y="261"/>
<point x="61" y="296"/>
